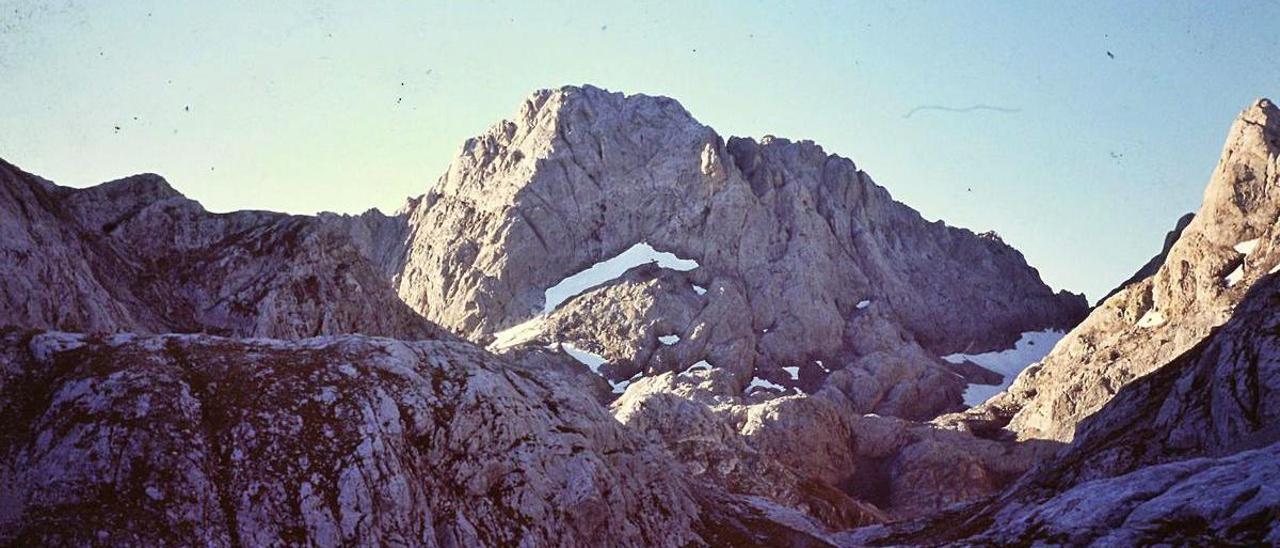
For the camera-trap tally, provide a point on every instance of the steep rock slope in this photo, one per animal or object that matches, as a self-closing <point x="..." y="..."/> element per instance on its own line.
<point x="800" y="256"/>
<point x="157" y="440"/>
<point x="135" y="255"/>
<point x="1219" y="256"/>
<point x="1189" y="454"/>
<point x="811" y="454"/>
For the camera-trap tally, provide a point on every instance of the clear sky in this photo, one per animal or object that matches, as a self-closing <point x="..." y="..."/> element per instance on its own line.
<point x="1084" y="164"/>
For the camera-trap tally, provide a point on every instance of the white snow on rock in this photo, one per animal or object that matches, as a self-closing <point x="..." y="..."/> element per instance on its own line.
<point x="863" y="304"/>
<point x="669" y="339"/>
<point x="824" y="368"/>
<point x="1243" y="248"/>
<point x="591" y="360"/>
<point x="599" y="273"/>
<point x="610" y="269"/>
<point x="1235" y="276"/>
<point x="699" y="289"/>
<point x="1152" y="318"/>
<point x="757" y="382"/>
<point x="793" y="371"/>
<point x="1247" y="247"/>
<point x="700" y="366"/>
<point x="1031" y="347"/>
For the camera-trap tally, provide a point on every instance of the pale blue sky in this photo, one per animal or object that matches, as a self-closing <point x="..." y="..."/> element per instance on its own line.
<point x="342" y="106"/>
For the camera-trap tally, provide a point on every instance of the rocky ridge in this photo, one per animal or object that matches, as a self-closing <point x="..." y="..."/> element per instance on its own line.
<point x="712" y="367"/>
<point x="1221" y="253"/>
<point x="135" y="255"/>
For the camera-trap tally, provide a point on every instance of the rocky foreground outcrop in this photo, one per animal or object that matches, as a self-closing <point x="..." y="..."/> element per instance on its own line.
<point x="1201" y="278"/>
<point x="193" y="439"/>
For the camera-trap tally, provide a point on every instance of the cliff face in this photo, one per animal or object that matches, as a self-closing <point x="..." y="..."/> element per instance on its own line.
<point x="134" y="255"/>
<point x="1201" y="280"/>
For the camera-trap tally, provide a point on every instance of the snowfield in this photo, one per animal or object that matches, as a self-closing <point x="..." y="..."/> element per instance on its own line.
<point x="611" y="269"/>
<point x="1031" y="347"/>
<point x="598" y="274"/>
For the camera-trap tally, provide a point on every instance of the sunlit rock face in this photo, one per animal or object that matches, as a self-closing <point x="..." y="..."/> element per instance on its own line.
<point x="778" y="345"/>
<point x="1195" y="285"/>
<point x="800" y="256"/>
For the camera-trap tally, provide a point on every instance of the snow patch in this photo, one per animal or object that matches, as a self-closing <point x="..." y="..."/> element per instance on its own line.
<point x="824" y="368"/>
<point x="596" y="275"/>
<point x="1247" y="247"/>
<point x="1243" y="248"/>
<point x="1235" y="276"/>
<point x="1151" y="319"/>
<point x="757" y="382"/>
<point x="1031" y="347"/>
<point x="863" y="304"/>
<point x="669" y="339"/>
<point x="699" y="289"/>
<point x="793" y="371"/>
<point x="610" y="269"/>
<point x="593" y="362"/>
<point x="700" y="366"/>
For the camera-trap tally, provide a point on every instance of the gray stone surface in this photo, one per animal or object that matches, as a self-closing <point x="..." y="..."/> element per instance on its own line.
<point x="348" y="440"/>
<point x="790" y="240"/>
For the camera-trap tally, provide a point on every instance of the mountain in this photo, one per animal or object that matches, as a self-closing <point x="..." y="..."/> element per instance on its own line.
<point x="607" y="324"/>
<point x="1186" y="455"/>
<point x="783" y="256"/>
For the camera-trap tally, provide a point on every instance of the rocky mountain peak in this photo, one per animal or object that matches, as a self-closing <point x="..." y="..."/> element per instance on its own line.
<point x="797" y="255"/>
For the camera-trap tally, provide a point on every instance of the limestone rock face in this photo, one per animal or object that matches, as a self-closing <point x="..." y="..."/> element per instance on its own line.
<point x="1223" y="252"/>
<point x="159" y="440"/>
<point x="800" y="256"/>
<point x="134" y="255"/>
<point x="810" y="453"/>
